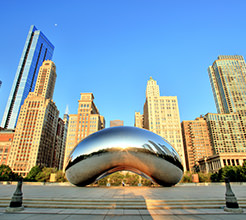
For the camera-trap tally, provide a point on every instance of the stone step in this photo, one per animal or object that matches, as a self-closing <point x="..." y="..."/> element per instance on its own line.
<point x="120" y="204"/>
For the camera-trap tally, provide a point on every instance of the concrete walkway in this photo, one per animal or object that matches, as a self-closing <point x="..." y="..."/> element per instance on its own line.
<point x="186" y="193"/>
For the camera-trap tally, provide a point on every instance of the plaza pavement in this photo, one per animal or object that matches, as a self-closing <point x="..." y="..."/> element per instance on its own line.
<point x="132" y="203"/>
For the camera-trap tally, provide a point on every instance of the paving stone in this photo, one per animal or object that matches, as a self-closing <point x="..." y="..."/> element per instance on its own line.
<point x="116" y="217"/>
<point x="99" y="212"/>
<point x="115" y="212"/>
<point x="137" y="196"/>
<point x="131" y="212"/>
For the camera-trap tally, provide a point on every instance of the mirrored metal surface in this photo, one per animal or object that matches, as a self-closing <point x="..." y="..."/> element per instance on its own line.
<point x="124" y="148"/>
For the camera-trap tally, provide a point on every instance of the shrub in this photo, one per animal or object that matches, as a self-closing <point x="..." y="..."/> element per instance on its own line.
<point x="187" y="178"/>
<point x="44" y="176"/>
<point x="204" y="177"/>
<point x="60" y="176"/>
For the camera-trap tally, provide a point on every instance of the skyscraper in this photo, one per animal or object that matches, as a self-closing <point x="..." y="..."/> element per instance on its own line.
<point x="35" y="134"/>
<point x="228" y="81"/>
<point x="196" y="141"/>
<point x="87" y="121"/>
<point x="36" y="50"/>
<point x="161" y="116"/>
<point x="227" y="128"/>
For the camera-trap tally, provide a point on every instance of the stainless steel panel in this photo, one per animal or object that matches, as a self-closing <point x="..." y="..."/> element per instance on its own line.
<point x="124" y="148"/>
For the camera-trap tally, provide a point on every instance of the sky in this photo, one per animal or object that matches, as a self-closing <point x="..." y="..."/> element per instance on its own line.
<point x="112" y="47"/>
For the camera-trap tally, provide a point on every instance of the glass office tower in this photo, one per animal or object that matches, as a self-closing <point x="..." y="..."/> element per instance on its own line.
<point x="228" y="81"/>
<point x="37" y="49"/>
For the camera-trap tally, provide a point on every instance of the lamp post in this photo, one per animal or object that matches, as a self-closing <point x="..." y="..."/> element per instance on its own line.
<point x="16" y="200"/>
<point x="231" y="200"/>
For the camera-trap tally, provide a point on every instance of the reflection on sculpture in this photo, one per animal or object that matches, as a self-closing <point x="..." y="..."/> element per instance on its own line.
<point x="124" y="148"/>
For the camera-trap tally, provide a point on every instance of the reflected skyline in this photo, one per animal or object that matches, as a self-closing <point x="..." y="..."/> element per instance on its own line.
<point x="124" y="148"/>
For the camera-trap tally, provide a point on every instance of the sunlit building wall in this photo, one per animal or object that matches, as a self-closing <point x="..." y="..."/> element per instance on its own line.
<point x="226" y="133"/>
<point x="85" y="122"/>
<point x="6" y="139"/>
<point x="228" y="82"/>
<point x="215" y="162"/>
<point x="161" y="116"/>
<point x="138" y="120"/>
<point x="196" y="141"/>
<point x="35" y="133"/>
<point x="227" y="78"/>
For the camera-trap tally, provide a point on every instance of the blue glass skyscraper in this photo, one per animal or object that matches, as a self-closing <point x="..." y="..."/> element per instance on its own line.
<point x="37" y="49"/>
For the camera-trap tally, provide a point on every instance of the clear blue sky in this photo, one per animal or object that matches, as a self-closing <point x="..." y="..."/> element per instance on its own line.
<point x="112" y="47"/>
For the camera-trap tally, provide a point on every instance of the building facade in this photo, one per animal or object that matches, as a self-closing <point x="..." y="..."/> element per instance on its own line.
<point x="6" y="139"/>
<point x="226" y="133"/>
<point x="36" y="50"/>
<point x="58" y="151"/>
<point x="161" y="116"/>
<point x="116" y="123"/>
<point x="228" y="82"/>
<point x="214" y="163"/>
<point x="36" y="129"/>
<point x="85" y="122"/>
<point x="63" y="148"/>
<point x="138" y="120"/>
<point x="196" y="141"/>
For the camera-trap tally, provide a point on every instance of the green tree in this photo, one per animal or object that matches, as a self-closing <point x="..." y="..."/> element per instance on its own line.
<point x="234" y="173"/>
<point x="6" y="174"/>
<point x="214" y="177"/>
<point x="146" y="182"/>
<point x="196" y="168"/>
<point x="60" y="176"/>
<point x="31" y="176"/>
<point x="231" y="173"/>
<point x="204" y="177"/>
<point x="116" y="178"/>
<point x="187" y="177"/>
<point x="128" y="178"/>
<point x="132" y="179"/>
<point x="243" y="171"/>
<point x="102" y="182"/>
<point x="44" y="176"/>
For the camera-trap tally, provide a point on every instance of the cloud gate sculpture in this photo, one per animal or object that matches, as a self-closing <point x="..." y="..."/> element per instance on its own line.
<point x="124" y="148"/>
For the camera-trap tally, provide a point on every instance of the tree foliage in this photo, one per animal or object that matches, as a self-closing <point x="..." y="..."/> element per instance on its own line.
<point x="31" y="176"/>
<point x="187" y="177"/>
<point x="44" y="176"/>
<point x="60" y="176"/>
<point x="196" y="168"/>
<point x="6" y="174"/>
<point x="234" y="173"/>
<point x="130" y="179"/>
<point x="204" y="177"/>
